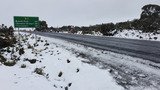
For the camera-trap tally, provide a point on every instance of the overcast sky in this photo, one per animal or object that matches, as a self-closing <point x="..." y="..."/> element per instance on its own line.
<point x="73" y="12"/>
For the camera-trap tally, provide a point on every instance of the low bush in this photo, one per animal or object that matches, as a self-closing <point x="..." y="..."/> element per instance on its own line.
<point x="39" y="71"/>
<point x="9" y="63"/>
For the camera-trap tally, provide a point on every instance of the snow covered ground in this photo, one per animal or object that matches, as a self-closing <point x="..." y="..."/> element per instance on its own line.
<point x="130" y="34"/>
<point x="54" y="64"/>
<point x="137" y="34"/>
<point x="45" y="65"/>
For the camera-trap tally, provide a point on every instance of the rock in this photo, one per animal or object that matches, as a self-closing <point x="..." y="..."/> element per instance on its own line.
<point x="68" y="61"/>
<point x="77" y="70"/>
<point x="32" y="61"/>
<point x="23" y="66"/>
<point x="2" y="59"/>
<point x="60" y="74"/>
<point x="66" y="88"/>
<point x="69" y="85"/>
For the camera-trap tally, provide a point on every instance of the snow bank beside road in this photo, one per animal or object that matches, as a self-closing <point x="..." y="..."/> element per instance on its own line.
<point x="129" y="34"/>
<point x="137" y="34"/>
<point x="46" y="65"/>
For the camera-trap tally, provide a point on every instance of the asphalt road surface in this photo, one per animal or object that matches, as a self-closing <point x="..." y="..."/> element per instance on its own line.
<point x="148" y="50"/>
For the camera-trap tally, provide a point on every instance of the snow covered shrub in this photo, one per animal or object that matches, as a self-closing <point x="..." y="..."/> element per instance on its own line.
<point x="21" y="51"/>
<point x="39" y="71"/>
<point x="2" y="59"/>
<point x="9" y="63"/>
<point x="8" y="49"/>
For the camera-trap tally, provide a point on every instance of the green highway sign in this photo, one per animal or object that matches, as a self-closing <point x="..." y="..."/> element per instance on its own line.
<point x="26" y="22"/>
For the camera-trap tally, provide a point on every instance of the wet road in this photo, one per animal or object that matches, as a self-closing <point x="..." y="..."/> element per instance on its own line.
<point x="148" y="50"/>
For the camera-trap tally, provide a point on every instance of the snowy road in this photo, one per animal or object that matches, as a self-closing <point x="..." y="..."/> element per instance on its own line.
<point x="149" y="50"/>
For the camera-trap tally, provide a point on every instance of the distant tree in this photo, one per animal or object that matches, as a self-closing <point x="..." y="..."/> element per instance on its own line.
<point x="150" y="11"/>
<point x="43" y="26"/>
<point x="107" y="28"/>
<point x="85" y="30"/>
<point x="150" y="18"/>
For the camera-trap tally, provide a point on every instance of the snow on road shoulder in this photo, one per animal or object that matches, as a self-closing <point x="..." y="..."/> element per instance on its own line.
<point x="129" y="34"/>
<point x="39" y="63"/>
<point x="137" y="34"/>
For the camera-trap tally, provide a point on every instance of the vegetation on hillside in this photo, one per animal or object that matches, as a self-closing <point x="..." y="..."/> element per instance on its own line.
<point x="6" y="36"/>
<point x="149" y="21"/>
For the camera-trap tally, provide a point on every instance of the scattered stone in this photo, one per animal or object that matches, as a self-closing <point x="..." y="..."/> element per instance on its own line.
<point x="68" y="61"/>
<point x="35" y="44"/>
<point x="77" y="70"/>
<point x="66" y="88"/>
<point x="23" y="66"/>
<point x="141" y="37"/>
<point x="110" y="71"/>
<point x="55" y="86"/>
<point x="46" y="44"/>
<point x="69" y="85"/>
<point x="46" y="48"/>
<point x="60" y="74"/>
<point x="15" y="82"/>
<point x="150" y="38"/>
<point x="155" y="38"/>
<point x="59" y="59"/>
<point x="98" y="54"/>
<point x="32" y="61"/>
<point x="47" y="76"/>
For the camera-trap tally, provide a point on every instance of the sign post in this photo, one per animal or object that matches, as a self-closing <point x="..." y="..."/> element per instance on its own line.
<point x="25" y="22"/>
